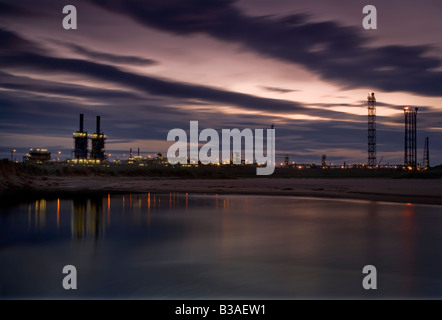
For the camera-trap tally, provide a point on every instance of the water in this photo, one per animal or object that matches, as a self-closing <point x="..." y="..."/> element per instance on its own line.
<point x="219" y="246"/>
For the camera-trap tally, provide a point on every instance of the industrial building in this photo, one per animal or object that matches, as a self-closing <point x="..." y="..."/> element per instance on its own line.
<point x="80" y="143"/>
<point x="135" y="159"/>
<point x="37" y="155"/>
<point x="97" y="154"/>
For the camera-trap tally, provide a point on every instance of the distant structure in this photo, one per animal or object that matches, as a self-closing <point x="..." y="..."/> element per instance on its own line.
<point x="135" y="159"/>
<point x="371" y="101"/>
<point x="237" y="157"/>
<point x="37" y="155"/>
<point x="97" y="154"/>
<point x="426" y="154"/>
<point x="98" y="138"/>
<point x="324" y="161"/>
<point x="272" y="147"/>
<point x="286" y="161"/>
<point x="410" y="154"/>
<point x="159" y="160"/>
<point x="138" y="157"/>
<point x="80" y="143"/>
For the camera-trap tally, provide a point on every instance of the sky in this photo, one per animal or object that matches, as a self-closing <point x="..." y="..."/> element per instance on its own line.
<point x="147" y="67"/>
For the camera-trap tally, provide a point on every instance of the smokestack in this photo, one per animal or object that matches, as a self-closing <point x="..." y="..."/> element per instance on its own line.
<point x="98" y="124"/>
<point x="138" y="151"/>
<point x="130" y="153"/>
<point x="81" y="122"/>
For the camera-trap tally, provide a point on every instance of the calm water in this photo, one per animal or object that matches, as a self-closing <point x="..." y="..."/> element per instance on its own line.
<point x="208" y="246"/>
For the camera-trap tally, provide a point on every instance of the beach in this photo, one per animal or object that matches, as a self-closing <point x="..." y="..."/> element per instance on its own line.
<point x="421" y="191"/>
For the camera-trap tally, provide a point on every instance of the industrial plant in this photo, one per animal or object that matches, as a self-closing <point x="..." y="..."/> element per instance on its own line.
<point x="97" y="154"/>
<point x="37" y="156"/>
<point x="89" y="149"/>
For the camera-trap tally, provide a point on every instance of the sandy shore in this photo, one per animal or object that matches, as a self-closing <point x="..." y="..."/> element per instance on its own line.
<point x="423" y="191"/>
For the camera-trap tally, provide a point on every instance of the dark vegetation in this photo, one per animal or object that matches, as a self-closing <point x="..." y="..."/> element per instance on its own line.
<point x="202" y="172"/>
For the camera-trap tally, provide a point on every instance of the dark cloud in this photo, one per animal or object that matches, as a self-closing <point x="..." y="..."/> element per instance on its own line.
<point x="277" y="89"/>
<point x="147" y="84"/>
<point x="335" y="52"/>
<point x="28" y="84"/>
<point x="34" y="114"/>
<point x="146" y="107"/>
<point x="27" y="112"/>
<point x="10" y="9"/>
<point x="107" y="57"/>
<point x="12" y="44"/>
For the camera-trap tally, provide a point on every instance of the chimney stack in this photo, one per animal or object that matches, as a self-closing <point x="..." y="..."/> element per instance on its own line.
<point x="98" y="124"/>
<point x="81" y="122"/>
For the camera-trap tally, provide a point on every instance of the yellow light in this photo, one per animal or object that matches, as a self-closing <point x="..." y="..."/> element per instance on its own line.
<point x="14" y="150"/>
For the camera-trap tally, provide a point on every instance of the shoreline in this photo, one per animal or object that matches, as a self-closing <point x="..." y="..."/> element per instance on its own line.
<point x="418" y="191"/>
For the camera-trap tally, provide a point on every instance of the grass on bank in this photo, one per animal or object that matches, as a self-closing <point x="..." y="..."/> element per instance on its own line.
<point x="205" y="172"/>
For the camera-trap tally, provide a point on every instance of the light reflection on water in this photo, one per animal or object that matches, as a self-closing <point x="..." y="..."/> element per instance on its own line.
<point x="219" y="246"/>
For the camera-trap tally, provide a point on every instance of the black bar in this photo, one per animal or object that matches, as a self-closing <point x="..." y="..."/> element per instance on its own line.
<point x="170" y="309"/>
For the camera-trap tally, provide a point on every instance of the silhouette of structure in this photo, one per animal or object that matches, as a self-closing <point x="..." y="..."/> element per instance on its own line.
<point x="426" y="161"/>
<point x="80" y="142"/>
<point x="410" y="155"/>
<point x="371" y="101"/>
<point x="98" y="138"/>
<point x="37" y="155"/>
<point x="286" y="161"/>
<point x="324" y="161"/>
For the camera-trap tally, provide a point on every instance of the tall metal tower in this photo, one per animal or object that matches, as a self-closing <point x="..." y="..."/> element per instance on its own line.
<point x="80" y="142"/>
<point x="371" y="101"/>
<point x="98" y="138"/>
<point x="410" y="155"/>
<point x="427" y="154"/>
